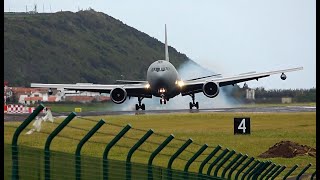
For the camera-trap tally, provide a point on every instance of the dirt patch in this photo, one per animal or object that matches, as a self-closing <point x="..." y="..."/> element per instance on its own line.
<point x="288" y="149"/>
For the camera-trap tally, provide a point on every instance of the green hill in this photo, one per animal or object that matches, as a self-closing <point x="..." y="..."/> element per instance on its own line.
<point x="86" y="46"/>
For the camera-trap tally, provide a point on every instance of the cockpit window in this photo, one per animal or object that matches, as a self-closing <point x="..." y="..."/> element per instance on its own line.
<point x="160" y="69"/>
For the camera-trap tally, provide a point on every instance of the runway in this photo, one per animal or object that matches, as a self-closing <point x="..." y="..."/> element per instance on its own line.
<point x="234" y="109"/>
<point x="283" y="109"/>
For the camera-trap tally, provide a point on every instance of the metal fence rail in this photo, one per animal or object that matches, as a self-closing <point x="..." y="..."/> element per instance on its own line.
<point x="22" y="162"/>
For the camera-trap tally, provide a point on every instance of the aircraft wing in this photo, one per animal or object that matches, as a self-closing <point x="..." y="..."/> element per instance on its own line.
<point x="133" y="90"/>
<point x="131" y="82"/>
<point x="203" y="77"/>
<point x="195" y="86"/>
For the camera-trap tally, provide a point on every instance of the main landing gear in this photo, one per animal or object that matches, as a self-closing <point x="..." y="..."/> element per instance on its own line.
<point x="192" y="104"/>
<point x="140" y="106"/>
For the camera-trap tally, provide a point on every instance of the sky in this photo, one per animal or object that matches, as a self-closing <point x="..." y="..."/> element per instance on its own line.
<point x="226" y="36"/>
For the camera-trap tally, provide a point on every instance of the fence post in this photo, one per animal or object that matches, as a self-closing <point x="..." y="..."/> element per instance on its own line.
<point x="303" y="171"/>
<point x="217" y="160"/>
<point x="243" y="167"/>
<point x="257" y="173"/>
<point x="153" y="155"/>
<point x="290" y="171"/>
<point x="108" y="148"/>
<point x="176" y="154"/>
<point x="264" y="174"/>
<point x="249" y="169"/>
<point x="257" y="169"/>
<point x="273" y="171"/>
<point x="313" y="174"/>
<point x="81" y="143"/>
<point x="194" y="157"/>
<point x="278" y="172"/>
<point x="230" y="164"/>
<point x="208" y="158"/>
<point x="133" y="149"/>
<point x="14" y="146"/>
<point x="48" y="142"/>
<point x="236" y="166"/>
<point x="222" y="163"/>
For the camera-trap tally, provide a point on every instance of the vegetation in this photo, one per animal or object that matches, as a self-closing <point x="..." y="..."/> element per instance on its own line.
<point x="211" y="128"/>
<point x="297" y="95"/>
<point x="86" y="46"/>
<point x="274" y="95"/>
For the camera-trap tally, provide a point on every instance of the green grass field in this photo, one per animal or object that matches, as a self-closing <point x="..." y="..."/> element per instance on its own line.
<point x="211" y="128"/>
<point x="68" y="107"/>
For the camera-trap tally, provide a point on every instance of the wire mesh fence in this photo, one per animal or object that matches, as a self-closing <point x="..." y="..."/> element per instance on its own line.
<point x="32" y="163"/>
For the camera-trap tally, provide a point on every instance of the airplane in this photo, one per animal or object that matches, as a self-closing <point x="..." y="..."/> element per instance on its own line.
<point x="164" y="81"/>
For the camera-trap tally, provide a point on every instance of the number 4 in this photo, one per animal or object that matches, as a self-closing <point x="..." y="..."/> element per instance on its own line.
<point x="242" y="125"/>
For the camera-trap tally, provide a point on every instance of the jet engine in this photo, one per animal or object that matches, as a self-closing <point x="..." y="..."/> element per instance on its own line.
<point x="210" y="89"/>
<point x="118" y="95"/>
<point x="283" y="76"/>
<point x="50" y="92"/>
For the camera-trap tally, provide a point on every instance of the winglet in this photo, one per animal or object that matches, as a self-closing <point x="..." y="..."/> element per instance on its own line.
<point x="166" y="44"/>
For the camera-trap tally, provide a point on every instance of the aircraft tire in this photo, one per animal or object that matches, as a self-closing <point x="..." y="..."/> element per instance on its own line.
<point x="143" y="107"/>
<point x="190" y="105"/>
<point x="137" y="107"/>
<point x="197" y="105"/>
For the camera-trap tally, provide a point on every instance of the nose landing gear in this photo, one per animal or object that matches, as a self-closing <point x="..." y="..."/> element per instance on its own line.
<point x="163" y="101"/>
<point x="193" y="104"/>
<point x="140" y="106"/>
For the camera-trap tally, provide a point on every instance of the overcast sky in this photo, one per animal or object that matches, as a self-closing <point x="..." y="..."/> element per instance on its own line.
<point x="225" y="36"/>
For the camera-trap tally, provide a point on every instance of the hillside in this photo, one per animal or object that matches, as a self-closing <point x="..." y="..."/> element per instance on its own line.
<point x="86" y="46"/>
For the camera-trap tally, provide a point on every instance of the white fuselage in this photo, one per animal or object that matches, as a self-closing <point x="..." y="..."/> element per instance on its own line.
<point x="163" y="79"/>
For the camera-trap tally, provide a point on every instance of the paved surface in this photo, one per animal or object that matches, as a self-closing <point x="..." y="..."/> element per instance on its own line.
<point x="21" y="117"/>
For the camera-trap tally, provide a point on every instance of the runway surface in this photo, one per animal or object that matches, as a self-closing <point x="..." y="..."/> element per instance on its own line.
<point x="239" y="109"/>
<point x="288" y="109"/>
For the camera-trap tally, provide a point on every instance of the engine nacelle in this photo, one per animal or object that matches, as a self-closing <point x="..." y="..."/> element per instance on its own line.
<point x="283" y="76"/>
<point x="50" y="92"/>
<point x="210" y="89"/>
<point x="118" y="95"/>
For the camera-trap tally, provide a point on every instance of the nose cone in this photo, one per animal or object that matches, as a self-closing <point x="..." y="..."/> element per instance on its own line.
<point x="161" y="80"/>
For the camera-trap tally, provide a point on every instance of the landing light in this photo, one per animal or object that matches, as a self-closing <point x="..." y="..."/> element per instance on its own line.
<point x="180" y="83"/>
<point x="147" y="86"/>
<point x="162" y="90"/>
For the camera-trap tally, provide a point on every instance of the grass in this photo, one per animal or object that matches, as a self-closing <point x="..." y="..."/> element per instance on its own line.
<point x="211" y="128"/>
<point x="68" y="107"/>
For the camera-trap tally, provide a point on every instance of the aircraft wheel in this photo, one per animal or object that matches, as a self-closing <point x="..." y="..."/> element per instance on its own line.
<point x="165" y="101"/>
<point x="190" y="105"/>
<point x="143" y="107"/>
<point x="137" y="107"/>
<point x="197" y="105"/>
<point x="160" y="101"/>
